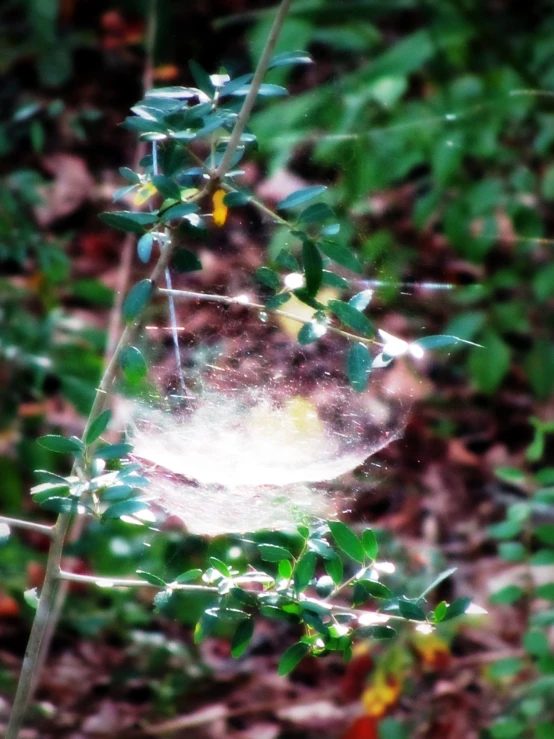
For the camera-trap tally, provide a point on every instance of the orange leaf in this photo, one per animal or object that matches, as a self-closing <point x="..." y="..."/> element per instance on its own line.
<point x="166" y="72"/>
<point x="364" y="727"/>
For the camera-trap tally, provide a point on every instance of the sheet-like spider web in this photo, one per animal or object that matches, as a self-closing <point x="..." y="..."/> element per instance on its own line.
<point x="252" y="436"/>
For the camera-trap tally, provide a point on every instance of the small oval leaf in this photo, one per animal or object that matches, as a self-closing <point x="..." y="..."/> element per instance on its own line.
<point x="137" y="299"/>
<point x="347" y="540"/>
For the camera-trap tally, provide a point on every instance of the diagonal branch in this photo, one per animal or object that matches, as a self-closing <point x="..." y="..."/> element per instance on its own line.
<point x="250" y="99"/>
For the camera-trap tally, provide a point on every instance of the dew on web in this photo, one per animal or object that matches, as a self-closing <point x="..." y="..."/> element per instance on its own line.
<point x="261" y="426"/>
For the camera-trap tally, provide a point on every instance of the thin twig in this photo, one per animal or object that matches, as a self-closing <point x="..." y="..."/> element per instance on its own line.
<point x="51" y="577"/>
<point x="124" y="582"/>
<point x="250" y="99"/>
<point x="245" y="303"/>
<point x="51" y="580"/>
<point x="17" y="523"/>
<point x="113" y="331"/>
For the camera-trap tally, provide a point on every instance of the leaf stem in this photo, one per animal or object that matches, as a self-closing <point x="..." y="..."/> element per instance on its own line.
<point x="255" y="85"/>
<point x="18" y="523"/>
<point x="43" y="616"/>
<point x="124" y="582"/>
<point x="245" y="303"/>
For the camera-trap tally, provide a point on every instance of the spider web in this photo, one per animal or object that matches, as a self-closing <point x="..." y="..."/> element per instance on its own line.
<point x="261" y="426"/>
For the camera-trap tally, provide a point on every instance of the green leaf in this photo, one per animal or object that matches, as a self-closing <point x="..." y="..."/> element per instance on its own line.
<point x="334" y="568"/>
<point x="545" y="591"/>
<point x="113" y="451"/>
<point x="311" y="332"/>
<point x="457" y="608"/>
<point x="535" y="643"/>
<point x="542" y="558"/>
<point x="189" y="576"/>
<point x="544" y="730"/>
<point x="201" y="78"/>
<point x="50" y="489"/>
<point x="273" y="553"/>
<point x="128" y="221"/>
<point x="277" y="614"/>
<point x="174" y="92"/>
<point x="319" y="546"/>
<point x="489" y="365"/>
<point x="505" y="529"/>
<point x="235" y="84"/>
<point x="324" y="586"/>
<point x="124" y="508"/>
<point x="97" y="427"/>
<point x="505" y="668"/>
<point x="178" y="211"/>
<point x="378" y="632"/>
<point x="347" y="541"/>
<point x="369" y="542"/>
<point x="117" y="492"/>
<point x="512" y="551"/>
<point x="268" y="277"/>
<point x="313" y="267"/>
<point x="31" y="598"/>
<point x="185" y="260"/>
<point x="439" y="341"/>
<point x="351" y="317"/>
<point x="292" y="657"/>
<point x="166" y="186"/>
<point x="144" y="247"/>
<point x="129" y="175"/>
<point x="304" y="571"/>
<point x="151" y="578"/>
<point x="60" y="444"/>
<point x="162" y="599"/>
<point x="315" y="213"/>
<point x="545" y="533"/>
<point x="301" y="196"/>
<point x="361" y="300"/>
<point x="507" y="595"/>
<point x="375" y="589"/>
<point x="137" y="299"/>
<point x="289" y="57"/>
<point x="144" y="125"/>
<point x="341" y="255"/>
<point x="220" y="566"/>
<point x="133" y="364"/>
<point x="330" y="279"/>
<point x="286" y="260"/>
<point x="60" y="505"/>
<point x="507" y="728"/>
<point x="437" y="581"/>
<point x="284" y="568"/>
<point x="266" y="90"/>
<point x="277" y="301"/>
<point x="440" y="612"/>
<point x="241" y="637"/>
<point x="411" y="611"/>
<point x="358" y="366"/>
<point x="236" y="198"/>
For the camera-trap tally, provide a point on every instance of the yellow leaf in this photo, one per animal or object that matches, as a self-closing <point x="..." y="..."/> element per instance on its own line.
<point x="303" y="311"/>
<point x="220" y="209"/>
<point x="296" y="420"/>
<point x="144" y="193"/>
<point x="381" y="694"/>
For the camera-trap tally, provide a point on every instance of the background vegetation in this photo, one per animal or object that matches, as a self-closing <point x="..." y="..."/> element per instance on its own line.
<point x="433" y="126"/>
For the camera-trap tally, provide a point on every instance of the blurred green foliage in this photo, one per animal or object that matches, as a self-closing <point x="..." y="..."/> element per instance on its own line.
<point x="434" y="126"/>
<point x="433" y="101"/>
